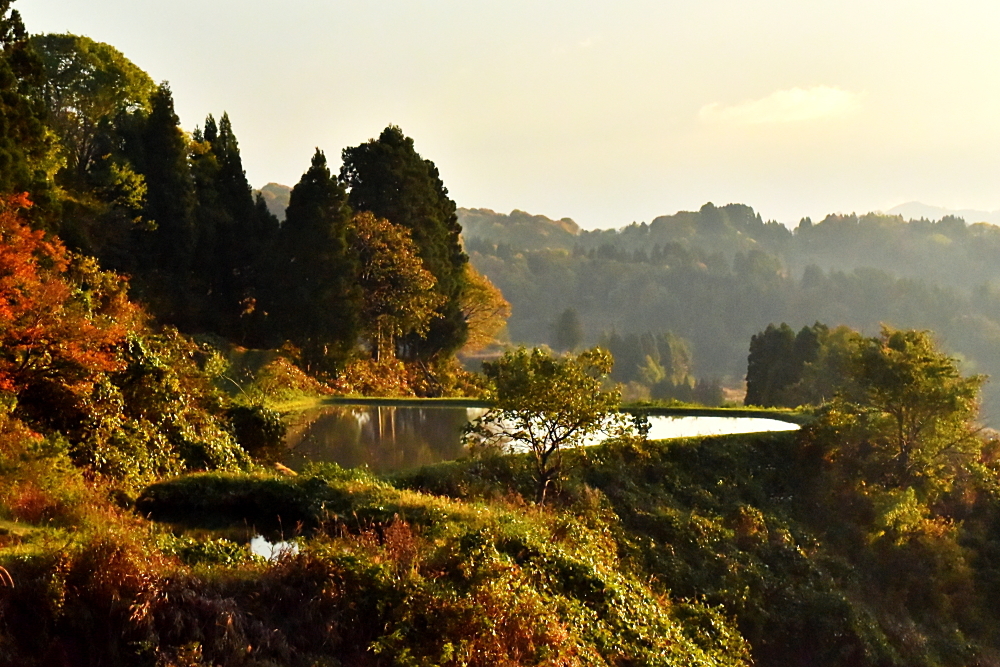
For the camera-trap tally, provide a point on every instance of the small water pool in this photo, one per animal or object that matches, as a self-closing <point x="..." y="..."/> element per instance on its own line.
<point x="662" y="428"/>
<point x="387" y="438"/>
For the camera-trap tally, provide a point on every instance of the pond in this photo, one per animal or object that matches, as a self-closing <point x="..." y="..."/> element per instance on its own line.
<point x="390" y="438"/>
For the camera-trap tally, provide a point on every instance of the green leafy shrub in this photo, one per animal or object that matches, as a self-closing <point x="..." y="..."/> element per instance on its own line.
<point x="191" y="551"/>
<point x="259" y="430"/>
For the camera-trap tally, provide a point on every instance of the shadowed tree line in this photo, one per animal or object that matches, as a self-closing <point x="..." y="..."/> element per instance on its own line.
<point x="366" y="262"/>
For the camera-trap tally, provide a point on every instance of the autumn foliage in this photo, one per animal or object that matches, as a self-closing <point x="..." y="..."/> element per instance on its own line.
<point x="60" y="316"/>
<point x="79" y="365"/>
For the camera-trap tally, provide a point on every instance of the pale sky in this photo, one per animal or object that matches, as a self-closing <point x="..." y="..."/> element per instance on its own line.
<point x="605" y="112"/>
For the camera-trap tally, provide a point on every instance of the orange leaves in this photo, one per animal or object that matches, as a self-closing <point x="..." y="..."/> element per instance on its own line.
<point x="60" y="316"/>
<point x="22" y="250"/>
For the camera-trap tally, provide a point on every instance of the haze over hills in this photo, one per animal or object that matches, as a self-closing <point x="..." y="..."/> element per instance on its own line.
<point x="915" y="210"/>
<point x="518" y="228"/>
<point x="276" y="197"/>
<point x="717" y="276"/>
<point x="477" y="221"/>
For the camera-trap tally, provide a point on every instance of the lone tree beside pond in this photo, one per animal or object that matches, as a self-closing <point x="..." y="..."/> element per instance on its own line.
<point x="545" y="404"/>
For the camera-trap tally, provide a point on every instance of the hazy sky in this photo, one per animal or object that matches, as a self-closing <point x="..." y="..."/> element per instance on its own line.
<point x="606" y="112"/>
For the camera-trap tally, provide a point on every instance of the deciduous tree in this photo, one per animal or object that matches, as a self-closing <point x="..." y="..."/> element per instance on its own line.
<point x="87" y="85"/>
<point x="546" y="404"/>
<point x="484" y="308"/>
<point x="399" y="296"/>
<point x="60" y="318"/>
<point x="914" y="411"/>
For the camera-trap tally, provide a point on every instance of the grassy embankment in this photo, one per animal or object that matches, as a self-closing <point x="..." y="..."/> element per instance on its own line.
<point x="673" y="409"/>
<point x="386" y="574"/>
<point x="694" y="552"/>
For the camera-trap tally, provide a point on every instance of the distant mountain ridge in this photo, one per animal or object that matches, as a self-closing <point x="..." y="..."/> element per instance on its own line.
<point x="915" y="210"/>
<point x="526" y="230"/>
<point x="518" y="228"/>
<point x="276" y="197"/>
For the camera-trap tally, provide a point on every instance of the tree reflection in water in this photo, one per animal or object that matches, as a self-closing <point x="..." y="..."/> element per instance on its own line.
<point x="383" y="438"/>
<point x="390" y="438"/>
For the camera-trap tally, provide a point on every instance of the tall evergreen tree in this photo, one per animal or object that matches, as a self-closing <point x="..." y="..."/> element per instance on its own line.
<point x="567" y="331"/>
<point x="778" y="362"/>
<point x="257" y="326"/>
<point x="232" y="185"/>
<point x="234" y="233"/>
<point x="387" y="177"/>
<point x="771" y="365"/>
<point x="318" y="304"/>
<point x="159" y="152"/>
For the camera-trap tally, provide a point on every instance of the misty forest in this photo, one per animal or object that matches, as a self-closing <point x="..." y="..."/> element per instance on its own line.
<point x="164" y="327"/>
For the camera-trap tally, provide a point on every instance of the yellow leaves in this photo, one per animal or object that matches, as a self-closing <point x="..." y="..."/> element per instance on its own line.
<point x="484" y="309"/>
<point x="898" y="514"/>
<point x="399" y="296"/>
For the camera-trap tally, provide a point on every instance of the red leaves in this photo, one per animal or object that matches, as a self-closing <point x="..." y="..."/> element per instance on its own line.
<point x="60" y="317"/>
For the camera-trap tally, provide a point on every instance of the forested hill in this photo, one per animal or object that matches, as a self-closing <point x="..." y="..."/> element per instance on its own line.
<point x="719" y="275"/>
<point x="518" y="229"/>
<point x="947" y="251"/>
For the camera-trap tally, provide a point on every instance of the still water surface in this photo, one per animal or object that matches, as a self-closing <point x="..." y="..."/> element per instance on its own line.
<point x="389" y="438"/>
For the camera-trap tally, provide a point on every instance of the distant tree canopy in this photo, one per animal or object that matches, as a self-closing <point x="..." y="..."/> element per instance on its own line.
<point x="567" y="331"/>
<point x="777" y="361"/>
<point x="785" y="369"/>
<point x="663" y="363"/>
<point x="87" y="86"/>
<point x="716" y="285"/>
<point x="27" y="158"/>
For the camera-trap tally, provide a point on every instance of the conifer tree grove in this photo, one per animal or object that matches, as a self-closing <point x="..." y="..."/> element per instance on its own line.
<point x="234" y="234"/>
<point x="166" y="244"/>
<point x="318" y="301"/>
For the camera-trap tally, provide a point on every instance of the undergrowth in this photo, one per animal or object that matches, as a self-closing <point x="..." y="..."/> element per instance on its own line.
<point x="714" y="551"/>
<point x="384" y="575"/>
